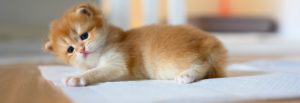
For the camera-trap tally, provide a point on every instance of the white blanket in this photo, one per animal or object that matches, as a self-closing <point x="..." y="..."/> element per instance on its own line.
<point x="261" y="80"/>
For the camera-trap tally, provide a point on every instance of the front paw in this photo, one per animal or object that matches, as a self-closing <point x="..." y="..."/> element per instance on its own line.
<point x="74" y="81"/>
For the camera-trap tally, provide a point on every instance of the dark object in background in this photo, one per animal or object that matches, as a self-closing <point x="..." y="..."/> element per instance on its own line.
<point x="234" y="24"/>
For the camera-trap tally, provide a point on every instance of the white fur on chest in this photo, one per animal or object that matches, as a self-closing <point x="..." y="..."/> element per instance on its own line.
<point x="112" y="59"/>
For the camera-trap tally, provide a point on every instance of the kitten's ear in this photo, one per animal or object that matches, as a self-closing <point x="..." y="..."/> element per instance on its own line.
<point x="85" y="9"/>
<point x="48" y="47"/>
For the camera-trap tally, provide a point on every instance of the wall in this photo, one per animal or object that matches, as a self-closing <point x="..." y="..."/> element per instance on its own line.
<point x="30" y="18"/>
<point x="289" y="19"/>
<point x="239" y="7"/>
<point x="263" y="8"/>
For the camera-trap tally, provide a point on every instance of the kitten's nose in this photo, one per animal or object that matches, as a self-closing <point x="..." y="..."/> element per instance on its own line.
<point x="82" y="49"/>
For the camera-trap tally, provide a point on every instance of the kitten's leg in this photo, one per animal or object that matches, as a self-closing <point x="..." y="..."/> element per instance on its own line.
<point x="193" y="73"/>
<point x="96" y="75"/>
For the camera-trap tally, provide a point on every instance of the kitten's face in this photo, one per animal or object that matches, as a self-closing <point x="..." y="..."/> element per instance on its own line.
<point x="77" y="34"/>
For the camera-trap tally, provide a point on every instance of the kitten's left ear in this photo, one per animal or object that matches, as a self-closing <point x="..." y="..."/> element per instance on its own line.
<point x="48" y="47"/>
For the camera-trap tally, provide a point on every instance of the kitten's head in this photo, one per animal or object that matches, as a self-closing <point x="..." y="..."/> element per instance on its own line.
<point x="77" y="34"/>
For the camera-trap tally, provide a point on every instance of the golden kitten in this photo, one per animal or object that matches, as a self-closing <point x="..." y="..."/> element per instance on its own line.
<point x="84" y="39"/>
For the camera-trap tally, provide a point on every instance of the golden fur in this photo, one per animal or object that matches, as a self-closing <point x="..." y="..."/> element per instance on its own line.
<point x="183" y="53"/>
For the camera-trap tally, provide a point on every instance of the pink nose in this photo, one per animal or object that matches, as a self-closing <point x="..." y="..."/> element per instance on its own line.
<point x="82" y="49"/>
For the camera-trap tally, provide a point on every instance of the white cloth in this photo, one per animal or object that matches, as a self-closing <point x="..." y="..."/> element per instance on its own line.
<point x="261" y="80"/>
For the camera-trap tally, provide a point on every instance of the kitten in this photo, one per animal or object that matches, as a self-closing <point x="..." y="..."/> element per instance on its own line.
<point x="84" y="39"/>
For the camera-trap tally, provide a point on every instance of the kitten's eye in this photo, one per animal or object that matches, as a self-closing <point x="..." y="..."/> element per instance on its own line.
<point x="70" y="49"/>
<point x="84" y="36"/>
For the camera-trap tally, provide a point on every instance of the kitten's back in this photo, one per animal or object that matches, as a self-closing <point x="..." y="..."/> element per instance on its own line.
<point x="172" y="49"/>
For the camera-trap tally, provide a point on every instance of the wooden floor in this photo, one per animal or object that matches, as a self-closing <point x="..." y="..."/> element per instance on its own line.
<point x="22" y="83"/>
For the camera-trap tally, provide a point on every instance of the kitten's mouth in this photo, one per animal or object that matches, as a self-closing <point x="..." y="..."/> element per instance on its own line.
<point x="85" y="54"/>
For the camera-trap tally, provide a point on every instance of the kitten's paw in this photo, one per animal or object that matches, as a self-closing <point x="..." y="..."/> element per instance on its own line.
<point x="74" y="81"/>
<point x="184" y="79"/>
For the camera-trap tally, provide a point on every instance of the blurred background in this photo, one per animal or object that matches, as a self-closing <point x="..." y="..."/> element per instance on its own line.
<point x="258" y="29"/>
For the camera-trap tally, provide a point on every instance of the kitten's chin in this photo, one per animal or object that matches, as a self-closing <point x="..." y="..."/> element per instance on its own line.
<point x="85" y="55"/>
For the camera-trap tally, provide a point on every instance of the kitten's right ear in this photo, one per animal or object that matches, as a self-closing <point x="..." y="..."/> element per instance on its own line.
<point x="48" y="47"/>
<point x="85" y="9"/>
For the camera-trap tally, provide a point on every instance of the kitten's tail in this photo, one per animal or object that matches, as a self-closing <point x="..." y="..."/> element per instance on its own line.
<point x="217" y="61"/>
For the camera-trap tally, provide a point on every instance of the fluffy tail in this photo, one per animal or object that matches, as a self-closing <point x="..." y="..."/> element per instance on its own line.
<point x="217" y="61"/>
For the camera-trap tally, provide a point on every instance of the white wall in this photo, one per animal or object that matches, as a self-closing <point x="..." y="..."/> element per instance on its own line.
<point x="289" y="17"/>
<point x="177" y="12"/>
<point x="119" y="13"/>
